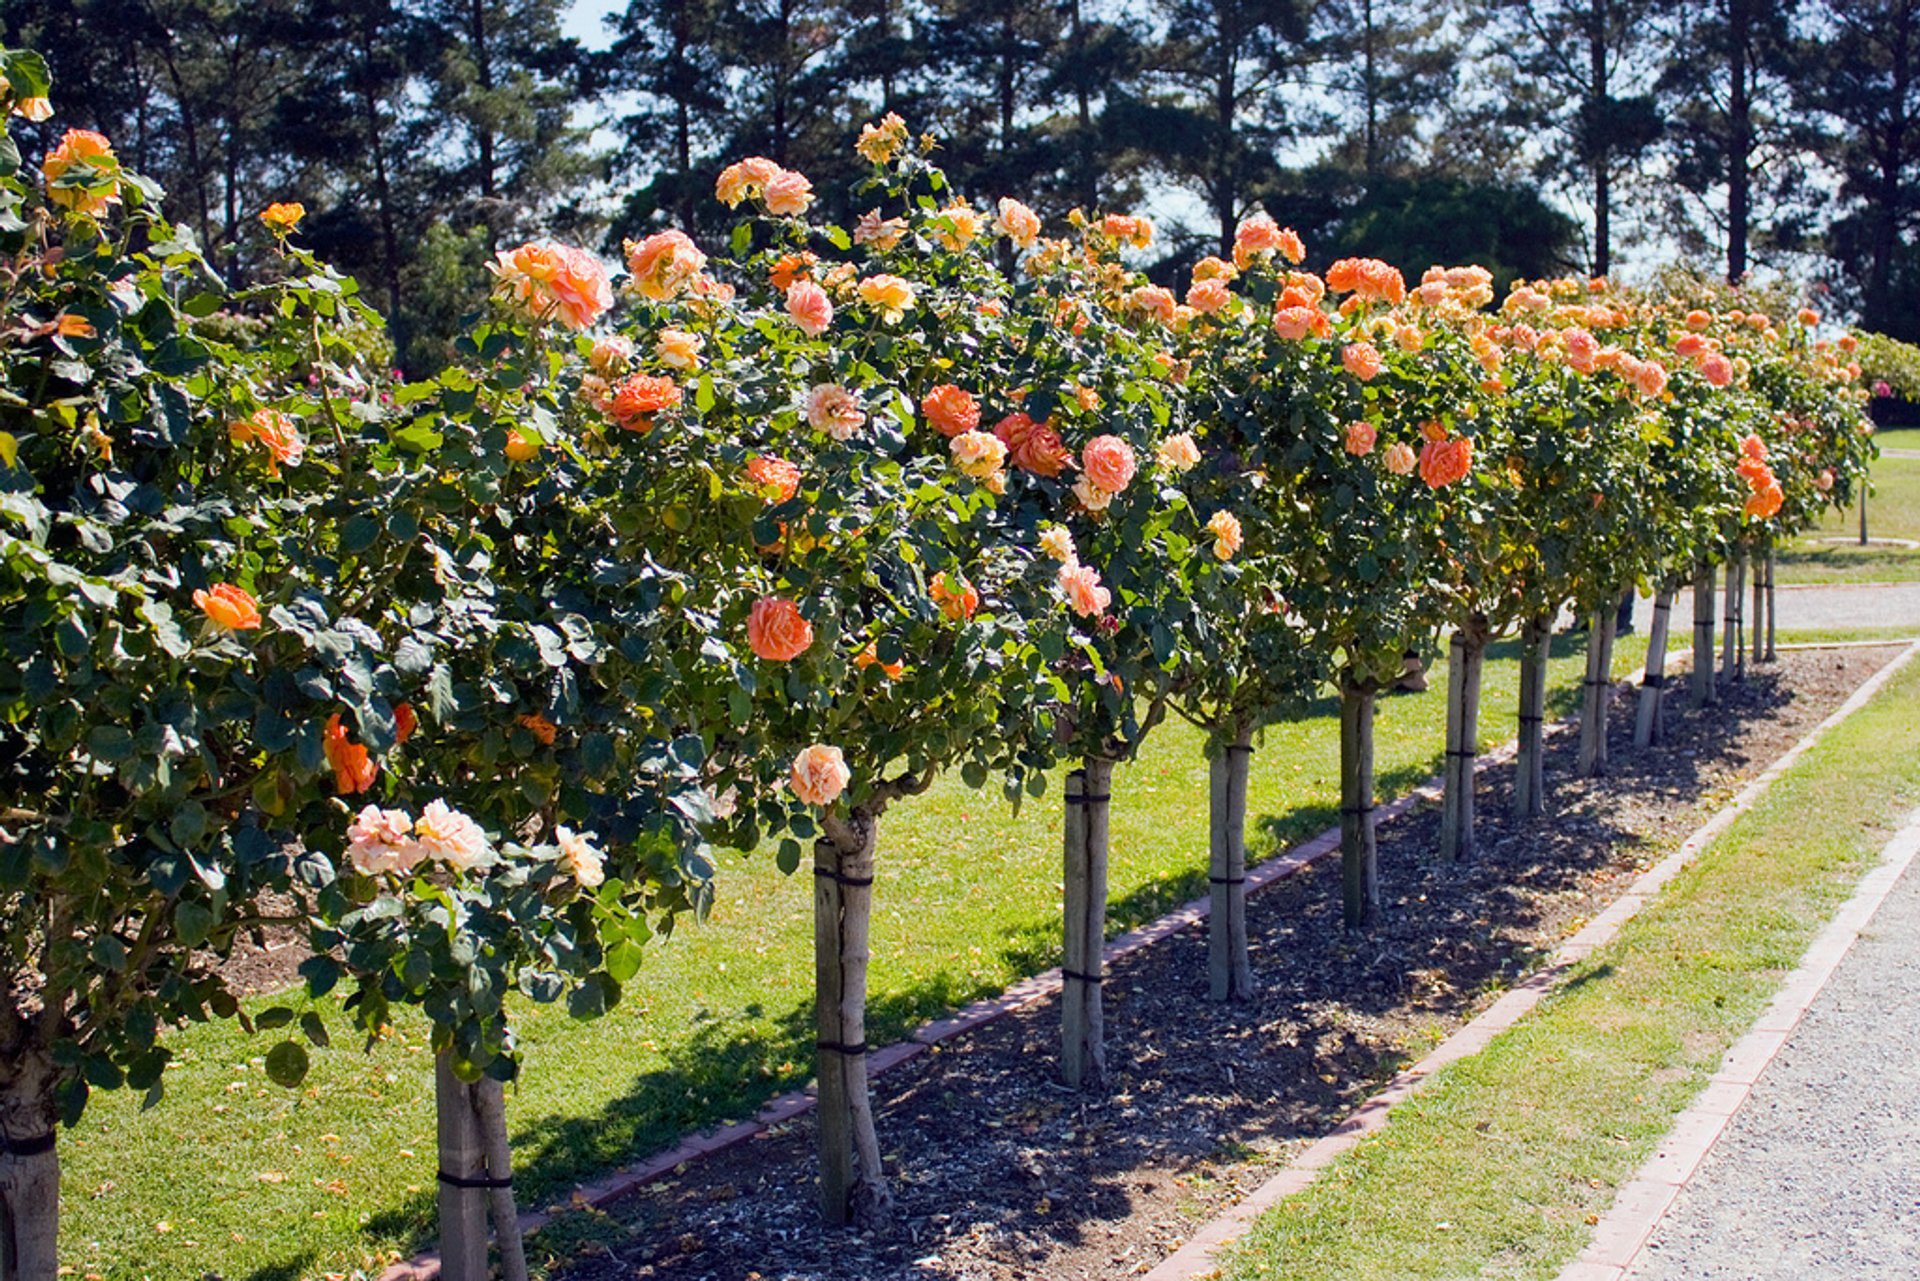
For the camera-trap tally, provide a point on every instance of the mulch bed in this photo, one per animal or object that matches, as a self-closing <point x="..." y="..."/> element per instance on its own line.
<point x="999" y="1172"/>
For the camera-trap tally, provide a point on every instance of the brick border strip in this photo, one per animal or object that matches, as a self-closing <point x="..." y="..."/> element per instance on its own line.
<point x="625" y="1180"/>
<point x="1195" y="1259"/>
<point x="1638" y="1207"/>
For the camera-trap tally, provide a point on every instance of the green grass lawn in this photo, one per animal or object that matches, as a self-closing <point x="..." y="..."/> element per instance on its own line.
<point x="1494" y="1170"/>
<point x="1893" y="511"/>
<point x="231" y="1174"/>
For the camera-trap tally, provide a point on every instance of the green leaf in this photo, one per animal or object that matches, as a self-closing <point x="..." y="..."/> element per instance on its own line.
<point x="287" y="1064"/>
<point x="9" y="449"/>
<point x="315" y="1030"/>
<point x="623" y="960"/>
<point x="192" y="922"/>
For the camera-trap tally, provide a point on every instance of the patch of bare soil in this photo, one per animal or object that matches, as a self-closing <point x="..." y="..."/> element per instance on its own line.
<point x="1001" y="1173"/>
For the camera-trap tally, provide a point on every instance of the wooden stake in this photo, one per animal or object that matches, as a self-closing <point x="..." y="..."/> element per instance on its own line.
<point x="1759" y="629"/>
<point x="463" y="1155"/>
<point x="1359" y="845"/>
<point x="1530" y="771"/>
<point x="1597" y="692"/>
<point x="1731" y="655"/>
<point x="1229" y="967"/>
<point x="1701" y="684"/>
<point x="1083" y="1055"/>
<point x="1466" y="655"/>
<point x="1648" y="728"/>
<point x="852" y="1184"/>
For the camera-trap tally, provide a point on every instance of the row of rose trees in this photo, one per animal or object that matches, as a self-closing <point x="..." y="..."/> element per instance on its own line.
<point x="467" y="677"/>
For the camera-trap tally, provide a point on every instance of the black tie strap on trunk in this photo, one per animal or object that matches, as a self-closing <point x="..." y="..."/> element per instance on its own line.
<point x="1227" y="880"/>
<point x="1246" y="748"/>
<point x="1093" y="979"/>
<point x="456" y="1181"/>
<point x="1358" y="811"/>
<point x="839" y="1047"/>
<point x="1458" y="752"/>
<point x="1653" y="680"/>
<point x="841" y="878"/>
<point x="1526" y="719"/>
<point x="1090" y="798"/>
<point x="38" y="1145"/>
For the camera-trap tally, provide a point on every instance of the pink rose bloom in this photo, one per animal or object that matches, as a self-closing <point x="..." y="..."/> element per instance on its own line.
<point x="1360" y="438"/>
<point x="446" y="834"/>
<point x="1294" y="323"/>
<point x="1583" y="350"/>
<point x="1400" y="458"/>
<point x="1080" y="584"/>
<point x="810" y="307"/>
<point x="1881" y="388"/>
<point x="1209" y="296"/>
<point x="579" y="859"/>
<point x="382" y="841"/>
<point x="1362" y="360"/>
<point x="835" y="410"/>
<point x="1716" y="369"/>
<point x="819" y="775"/>
<point x="1109" y="462"/>
<point x="788" y="194"/>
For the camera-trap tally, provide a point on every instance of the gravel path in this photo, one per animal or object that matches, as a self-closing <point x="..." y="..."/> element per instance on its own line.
<point x="1817" y="1177"/>
<point x="1822" y="606"/>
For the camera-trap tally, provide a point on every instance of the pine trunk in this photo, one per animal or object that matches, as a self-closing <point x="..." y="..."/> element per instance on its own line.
<point x="1597" y="692"/>
<point x="852" y="1185"/>
<point x="463" y="1156"/>
<point x="1530" y="762"/>
<point x="29" y="1171"/>
<point x="1083" y="1054"/>
<point x="1229" y="968"/>
<point x="1466" y="654"/>
<point x="1359" y="844"/>
<point x="1703" y="692"/>
<point x="1649" y="715"/>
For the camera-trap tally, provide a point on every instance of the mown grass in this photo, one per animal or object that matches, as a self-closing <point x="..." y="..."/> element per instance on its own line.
<point x="1494" y="1170"/>
<point x="235" y="1176"/>
<point x="1893" y="511"/>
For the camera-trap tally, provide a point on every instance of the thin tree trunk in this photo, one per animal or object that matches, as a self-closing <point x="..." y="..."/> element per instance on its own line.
<point x="1083" y="1054"/>
<point x="1229" y="968"/>
<point x="1773" y="603"/>
<point x="490" y="1099"/>
<point x="1466" y="656"/>
<point x="1648" y="728"/>
<point x="1597" y="691"/>
<point x="1732" y="659"/>
<point x="1863" y="515"/>
<point x="29" y="1171"/>
<point x="1704" y="694"/>
<point x="1740" y="143"/>
<point x="463" y="1156"/>
<point x="1530" y="768"/>
<point x="1359" y="843"/>
<point x="1758" y="562"/>
<point x="852" y="1185"/>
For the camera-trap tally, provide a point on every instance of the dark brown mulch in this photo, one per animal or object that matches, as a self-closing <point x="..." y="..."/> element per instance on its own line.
<point x="1000" y="1173"/>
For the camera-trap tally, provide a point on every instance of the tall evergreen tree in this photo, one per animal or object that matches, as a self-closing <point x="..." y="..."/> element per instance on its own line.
<point x="1394" y="65"/>
<point x="666" y="55"/>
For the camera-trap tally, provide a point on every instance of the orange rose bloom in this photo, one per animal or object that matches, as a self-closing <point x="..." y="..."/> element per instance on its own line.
<point x="276" y="432"/>
<point x="1294" y="323"/>
<point x="1808" y="317"/>
<point x="540" y="727"/>
<point x="776" y="631"/>
<point x="1444" y="461"/>
<point x="664" y="264"/>
<point x="281" y="217"/>
<point x="950" y="409"/>
<point x="404" y="722"/>
<point x="635" y="401"/>
<point x="1689" y="345"/>
<point x="353" y="770"/>
<point x="1716" y="369"/>
<point x="1360" y="438"/>
<point x="1034" y="447"/>
<point x="775" y="479"/>
<point x="957" y="603"/>
<point x="83" y="147"/>
<point x="229" y="608"/>
<point x="1208" y="296"/>
<point x="1362" y="360"/>
<point x="869" y="656"/>
<point x="1109" y="462"/>
<point x="546" y="280"/>
<point x="520" y="446"/>
<point x="1368" y="278"/>
<point x="1765" y="502"/>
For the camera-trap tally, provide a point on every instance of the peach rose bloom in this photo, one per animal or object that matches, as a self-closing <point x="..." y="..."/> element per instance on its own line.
<point x="1131" y="228"/>
<point x="521" y="448"/>
<point x="879" y="143"/>
<point x="1294" y="323"/>
<point x="1057" y="542"/>
<point x="1091" y="496"/>
<point x="958" y="600"/>
<point x="632" y="405"/>
<point x="282" y="216"/>
<point x="888" y="295"/>
<point x="382" y="841"/>
<point x="1034" y="447"/>
<point x="552" y="281"/>
<point x="978" y="454"/>
<point x="870" y="657"/>
<point x="1080" y="585"/>
<point x="538" y="726"/>
<point x="1689" y="344"/>
<point x="444" y="833"/>
<point x="678" y="349"/>
<point x="34" y="109"/>
<point x="819" y="775"/>
<point x="774" y="479"/>
<point x="1178" y="452"/>
<point x="1017" y="223"/>
<point x="1697" y="319"/>
<point x="1362" y="360"/>
<point x="835" y="410"/>
<point x="1227" y="537"/>
<point x="776" y="631"/>
<point x="1108" y="462"/>
<point x="1753" y="447"/>
<point x="788" y="194"/>
<point x="83" y="146"/>
<point x="963" y="227"/>
<point x="950" y="409"/>
<point x="1444" y="461"/>
<point x="1824" y="481"/>
<point x="579" y="859"/>
<point x="882" y="233"/>
<point x="610" y="357"/>
<point x="1716" y="369"/>
<point x="276" y="433"/>
<point x="1400" y="458"/>
<point x="664" y="265"/>
<point x="1155" y="301"/>
<point x="1208" y="296"/>
<point x="1359" y="439"/>
<point x="744" y="178"/>
<point x="1583" y="350"/>
<point x="810" y="307"/>
<point x="1650" y="378"/>
<point x="353" y="769"/>
<point x="228" y="608"/>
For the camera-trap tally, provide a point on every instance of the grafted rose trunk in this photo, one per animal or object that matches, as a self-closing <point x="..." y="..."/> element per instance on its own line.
<point x="1773" y="649"/>
<point x="1359" y="844"/>
<point x="1530" y="772"/>
<point x="1466" y="659"/>
<point x="1597" y="691"/>
<point x="1761" y="564"/>
<point x="490" y="1103"/>
<point x="1702" y="684"/>
<point x="475" y="1175"/>
<point x="1083" y="1053"/>
<point x="29" y="1169"/>
<point x="1733" y="655"/>
<point x="1229" y="967"/>
<point x="1649" y="715"/>
<point x="853" y="1186"/>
